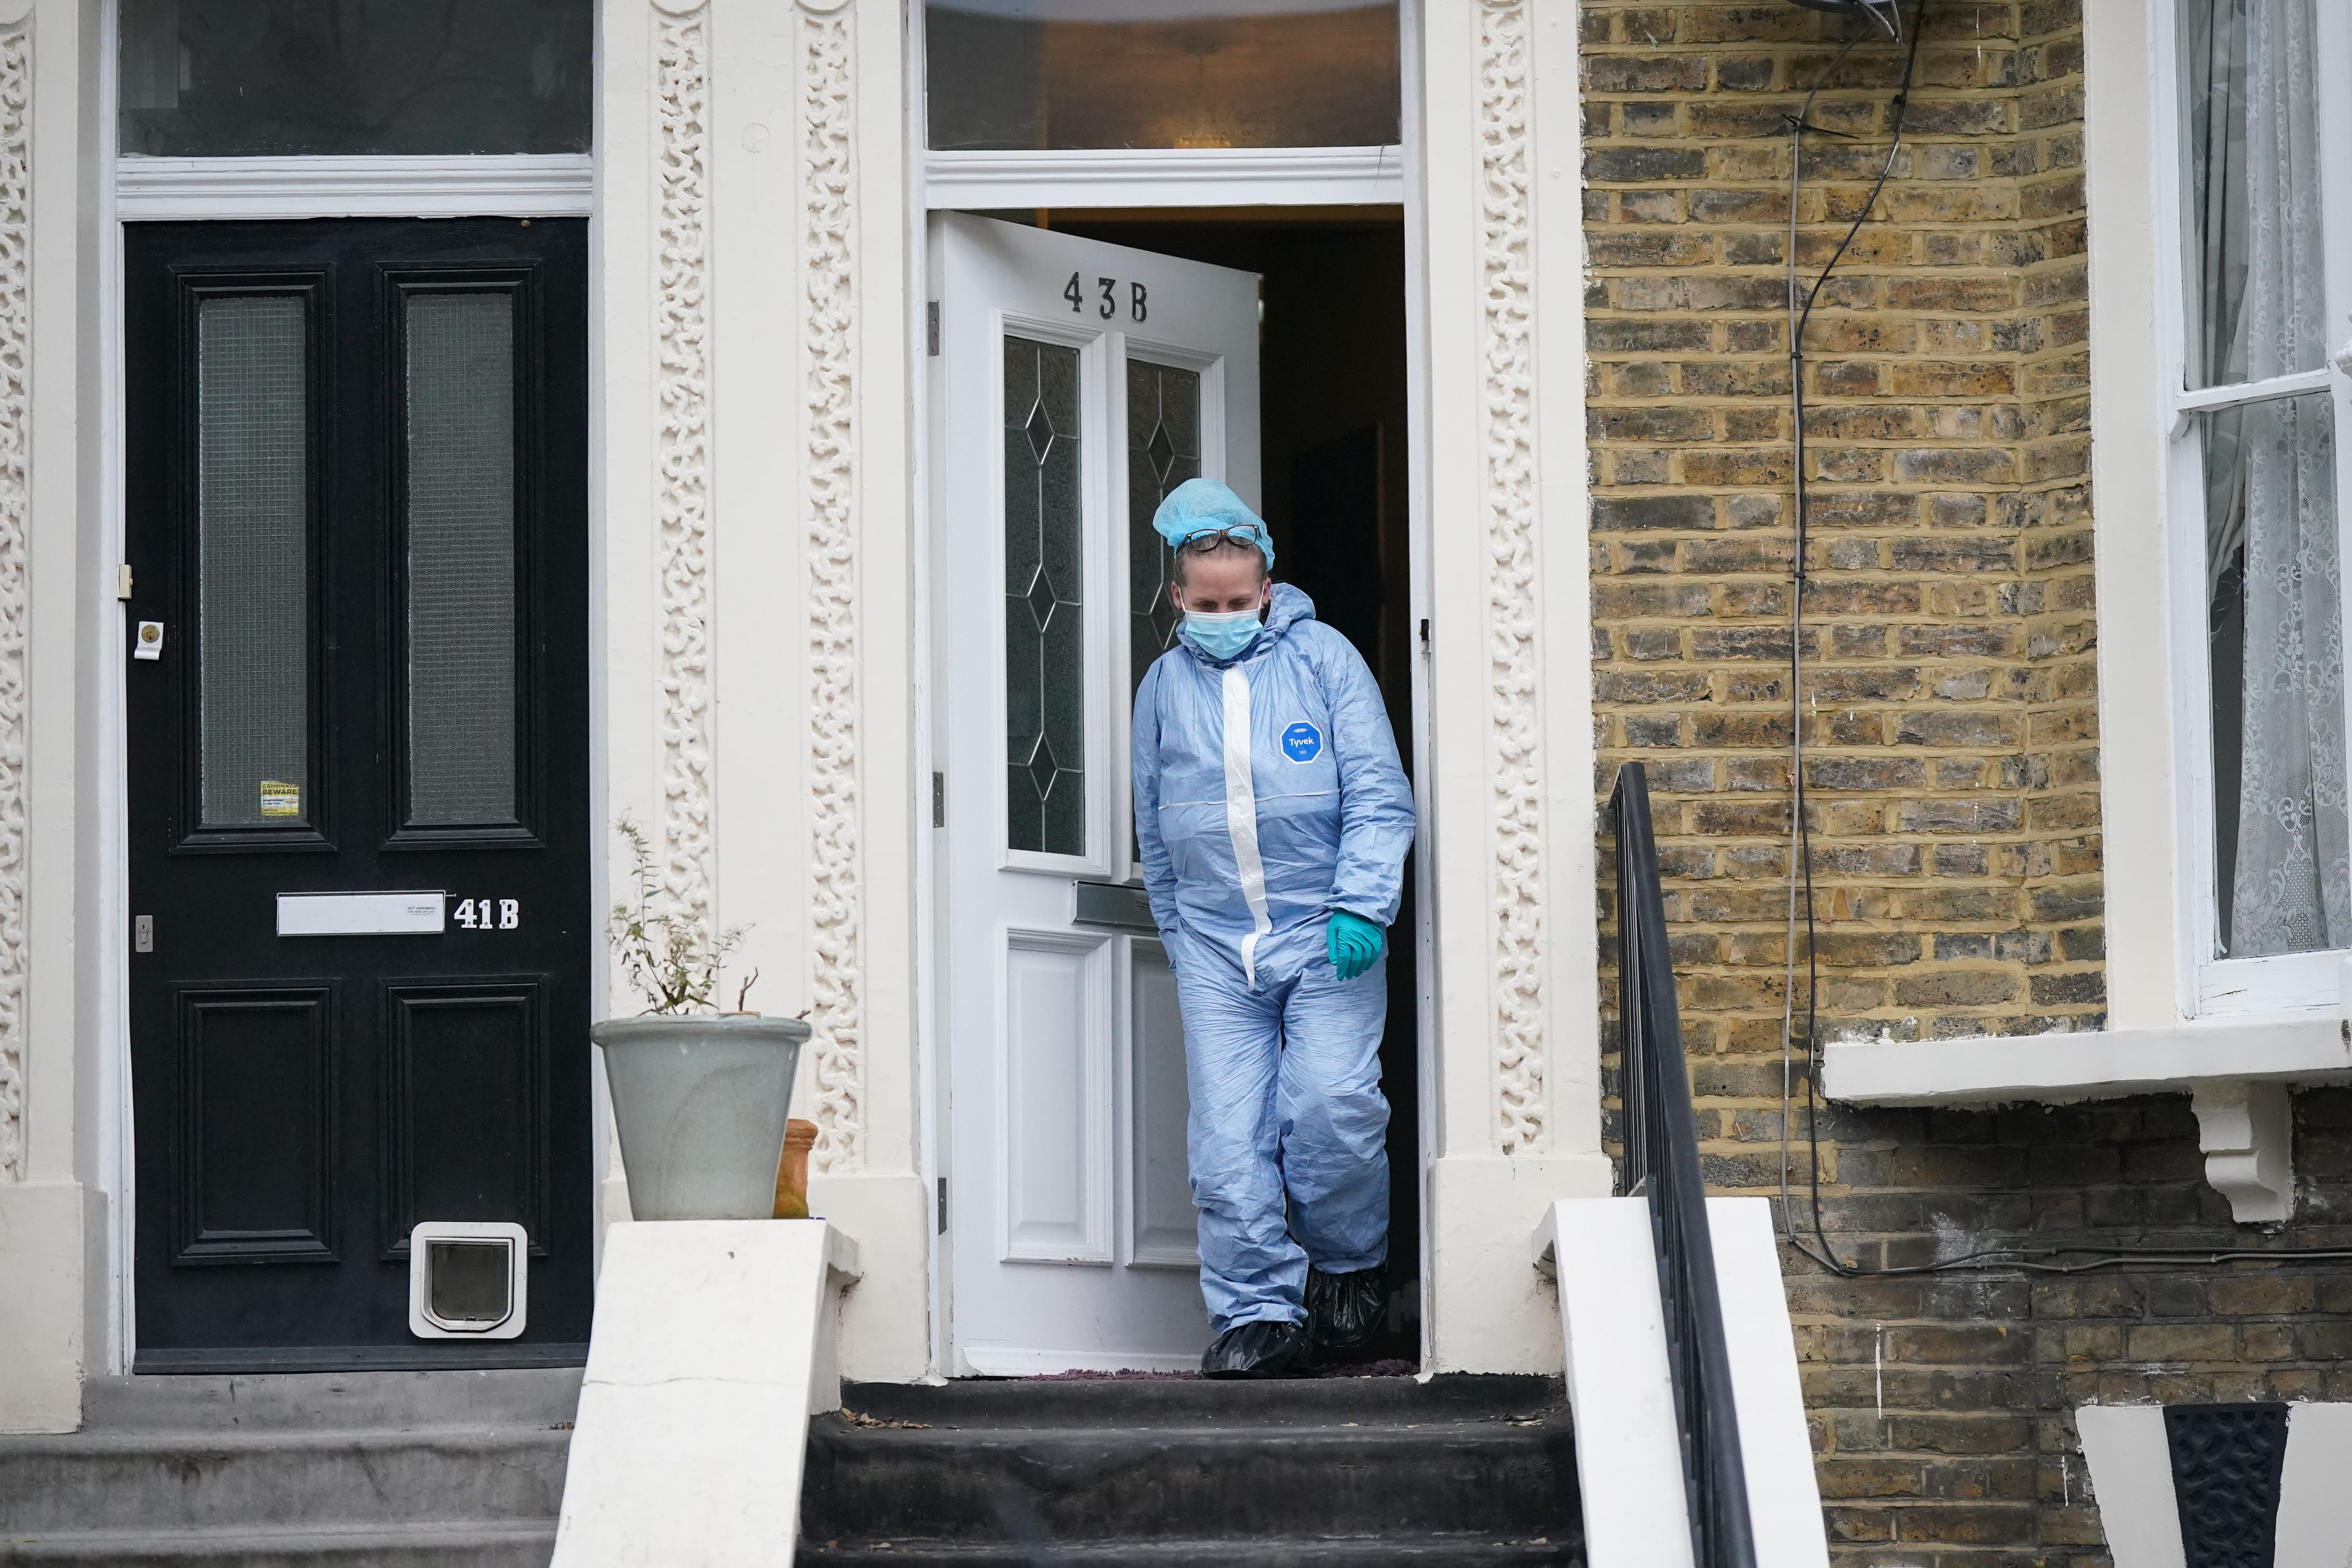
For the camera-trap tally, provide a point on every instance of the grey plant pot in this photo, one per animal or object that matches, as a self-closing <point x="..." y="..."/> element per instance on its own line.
<point x="701" y="1101"/>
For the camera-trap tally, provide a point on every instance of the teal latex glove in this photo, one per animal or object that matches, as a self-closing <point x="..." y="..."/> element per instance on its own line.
<point x="1355" y="943"/>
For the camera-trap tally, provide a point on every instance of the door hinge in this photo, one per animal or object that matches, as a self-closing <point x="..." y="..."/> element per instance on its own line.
<point x="931" y="316"/>
<point x="943" y="1206"/>
<point x="938" y="800"/>
<point x="122" y="581"/>
<point x="1424" y="637"/>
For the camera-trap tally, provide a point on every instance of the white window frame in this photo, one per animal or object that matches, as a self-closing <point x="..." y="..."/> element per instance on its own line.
<point x="1272" y="178"/>
<point x="2210" y="986"/>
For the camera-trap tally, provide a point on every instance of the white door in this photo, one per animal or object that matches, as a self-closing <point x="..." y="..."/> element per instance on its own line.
<point x="1077" y="382"/>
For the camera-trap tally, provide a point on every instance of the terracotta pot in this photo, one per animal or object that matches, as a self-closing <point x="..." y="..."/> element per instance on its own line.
<point x="792" y="1170"/>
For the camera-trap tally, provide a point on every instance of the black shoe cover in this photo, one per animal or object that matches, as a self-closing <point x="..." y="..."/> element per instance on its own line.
<point x="1343" y="1310"/>
<point x="1261" y="1349"/>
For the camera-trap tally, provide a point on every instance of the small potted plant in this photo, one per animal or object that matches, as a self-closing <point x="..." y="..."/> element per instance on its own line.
<point x="699" y="1096"/>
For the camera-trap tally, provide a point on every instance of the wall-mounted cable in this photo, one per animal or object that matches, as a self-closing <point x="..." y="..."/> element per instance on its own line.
<point x="1887" y="17"/>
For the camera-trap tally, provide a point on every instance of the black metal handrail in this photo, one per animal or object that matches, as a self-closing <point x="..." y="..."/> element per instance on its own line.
<point x="1662" y="1161"/>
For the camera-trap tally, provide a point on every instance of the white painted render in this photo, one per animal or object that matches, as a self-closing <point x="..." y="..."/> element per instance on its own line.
<point x="2130" y="1462"/>
<point x="2131" y="1473"/>
<point x="1604" y="1253"/>
<point x="761" y="679"/>
<point x="52" y="1192"/>
<point x="714" y="1344"/>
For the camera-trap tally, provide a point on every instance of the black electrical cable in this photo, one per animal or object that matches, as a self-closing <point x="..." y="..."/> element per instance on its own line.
<point x="1800" y="845"/>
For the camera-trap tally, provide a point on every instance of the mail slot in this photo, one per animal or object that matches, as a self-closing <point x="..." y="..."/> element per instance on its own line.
<point x="1120" y="904"/>
<point x="361" y="914"/>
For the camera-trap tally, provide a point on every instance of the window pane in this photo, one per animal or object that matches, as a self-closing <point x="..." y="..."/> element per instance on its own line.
<point x="2275" y="585"/>
<point x="229" y="78"/>
<point x="1008" y="75"/>
<point x="1045" y="629"/>
<point x="2249" y="162"/>
<point x="253" y="633"/>
<point x="1163" y="450"/>
<point x="460" y="517"/>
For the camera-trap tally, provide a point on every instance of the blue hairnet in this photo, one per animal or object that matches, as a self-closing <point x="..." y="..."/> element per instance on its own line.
<point x="1205" y="506"/>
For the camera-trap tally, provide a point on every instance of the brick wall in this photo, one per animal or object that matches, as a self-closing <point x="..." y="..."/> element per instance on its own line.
<point x="1950" y="727"/>
<point x="1942" y="1403"/>
<point x="1950" y="697"/>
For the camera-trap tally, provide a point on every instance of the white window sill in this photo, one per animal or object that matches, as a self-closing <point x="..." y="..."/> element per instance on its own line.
<point x="2236" y="1070"/>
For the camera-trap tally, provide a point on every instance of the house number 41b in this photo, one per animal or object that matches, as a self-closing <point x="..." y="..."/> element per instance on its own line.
<point x="489" y="914"/>
<point x="1139" y="298"/>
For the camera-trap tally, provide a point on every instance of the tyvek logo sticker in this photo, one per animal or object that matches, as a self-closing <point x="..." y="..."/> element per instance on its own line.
<point x="1302" y="743"/>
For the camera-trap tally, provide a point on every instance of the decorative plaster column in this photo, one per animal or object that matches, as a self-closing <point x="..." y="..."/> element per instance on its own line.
<point x="1509" y="709"/>
<point x="828" y="262"/>
<point x="15" y="396"/>
<point x="682" y="385"/>
<point x="53" y="1307"/>
<point x="682" y="65"/>
<point x="1508" y="499"/>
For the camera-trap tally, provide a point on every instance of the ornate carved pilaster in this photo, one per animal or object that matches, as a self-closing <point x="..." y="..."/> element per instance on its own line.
<point x="1508" y="471"/>
<point x="15" y="401"/>
<point x="682" y="385"/>
<point x="835" y="904"/>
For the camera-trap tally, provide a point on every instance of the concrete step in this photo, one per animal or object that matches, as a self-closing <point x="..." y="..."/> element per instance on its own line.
<point x="1089" y="1484"/>
<point x="336" y="1401"/>
<point x="409" y="1546"/>
<point x="457" y="1467"/>
<point x="1427" y="1552"/>
<point x="1203" y="1402"/>
<point x="174" y="1481"/>
<point x="1182" y="1472"/>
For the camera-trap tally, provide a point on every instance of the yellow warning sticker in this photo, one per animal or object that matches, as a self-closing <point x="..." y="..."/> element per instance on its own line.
<point x="281" y="799"/>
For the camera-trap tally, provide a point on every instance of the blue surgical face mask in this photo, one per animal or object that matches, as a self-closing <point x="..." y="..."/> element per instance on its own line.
<point x="1221" y="636"/>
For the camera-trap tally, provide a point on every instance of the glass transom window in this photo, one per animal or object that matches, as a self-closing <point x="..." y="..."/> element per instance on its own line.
<point x="212" y="78"/>
<point x="1027" y="75"/>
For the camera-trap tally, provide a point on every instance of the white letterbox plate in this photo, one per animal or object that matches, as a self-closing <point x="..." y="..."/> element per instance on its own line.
<point x="361" y="914"/>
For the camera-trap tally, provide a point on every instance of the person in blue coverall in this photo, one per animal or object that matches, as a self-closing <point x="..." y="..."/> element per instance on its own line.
<point x="1273" y="818"/>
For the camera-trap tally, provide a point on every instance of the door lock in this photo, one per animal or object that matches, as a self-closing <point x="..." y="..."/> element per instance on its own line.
<point x="142" y="933"/>
<point x="151" y="640"/>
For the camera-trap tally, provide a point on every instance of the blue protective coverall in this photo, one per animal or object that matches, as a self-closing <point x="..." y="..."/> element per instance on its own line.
<point x="1269" y="794"/>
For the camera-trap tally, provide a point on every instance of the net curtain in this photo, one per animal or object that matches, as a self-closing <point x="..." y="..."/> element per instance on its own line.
<point x="2257" y="309"/>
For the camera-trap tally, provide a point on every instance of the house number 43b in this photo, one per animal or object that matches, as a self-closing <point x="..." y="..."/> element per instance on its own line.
<point x="1106" y="303"/>
<point x="489" y="914"/>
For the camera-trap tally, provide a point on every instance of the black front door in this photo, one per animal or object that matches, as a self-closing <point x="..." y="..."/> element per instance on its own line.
<point x="357" y="528"/>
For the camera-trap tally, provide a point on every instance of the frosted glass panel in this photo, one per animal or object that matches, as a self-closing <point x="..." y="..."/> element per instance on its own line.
<point x="252" y="524"/>
<point x="461" y="552"/>
<point x="1045" y="620"/>
<point x="1007" y="74"/>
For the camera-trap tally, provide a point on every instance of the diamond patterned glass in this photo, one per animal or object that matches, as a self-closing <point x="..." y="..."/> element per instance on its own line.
<point x="252" y="560"/>
<point x="461" y="587"/>
<point x="1163" y="450"/>
<point x="1045" y="620"/>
